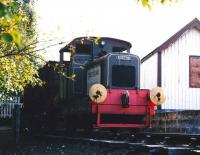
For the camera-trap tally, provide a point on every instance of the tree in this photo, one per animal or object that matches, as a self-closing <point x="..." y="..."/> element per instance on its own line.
<point x="19" y="63"/>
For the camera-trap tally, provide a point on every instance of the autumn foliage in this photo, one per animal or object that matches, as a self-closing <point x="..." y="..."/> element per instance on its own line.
<point x="19" y="63"/>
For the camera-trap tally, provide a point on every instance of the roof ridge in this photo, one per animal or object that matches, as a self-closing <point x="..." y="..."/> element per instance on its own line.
<point x="195" y="23"/>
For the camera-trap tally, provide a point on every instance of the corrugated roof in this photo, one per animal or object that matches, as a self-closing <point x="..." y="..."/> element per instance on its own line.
<point x="195" y="23"/>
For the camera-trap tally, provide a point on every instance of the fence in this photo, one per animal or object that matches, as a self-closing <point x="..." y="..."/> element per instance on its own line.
<point x="7" y="106"/>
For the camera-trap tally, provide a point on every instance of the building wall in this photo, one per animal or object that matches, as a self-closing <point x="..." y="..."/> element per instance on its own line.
<point x="149" y="73"/>
<point x="175" y="72"/>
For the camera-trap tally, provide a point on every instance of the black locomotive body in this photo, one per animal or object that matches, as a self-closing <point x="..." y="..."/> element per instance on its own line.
<point x="105" y="92"/>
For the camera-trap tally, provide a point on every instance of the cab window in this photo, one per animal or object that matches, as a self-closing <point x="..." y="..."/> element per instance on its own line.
<point x="123" y="76"/>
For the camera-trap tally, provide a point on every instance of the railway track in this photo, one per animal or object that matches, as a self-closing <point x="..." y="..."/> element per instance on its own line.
<point x="146" y="141"/>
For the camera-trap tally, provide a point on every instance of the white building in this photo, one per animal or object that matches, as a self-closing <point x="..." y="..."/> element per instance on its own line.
<point x="175" y="66"/>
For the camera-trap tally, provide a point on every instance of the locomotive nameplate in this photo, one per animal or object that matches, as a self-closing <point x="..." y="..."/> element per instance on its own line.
<point x="124" y="57"/>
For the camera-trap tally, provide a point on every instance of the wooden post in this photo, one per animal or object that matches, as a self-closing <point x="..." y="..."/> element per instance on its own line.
<point x="17" y="123"/>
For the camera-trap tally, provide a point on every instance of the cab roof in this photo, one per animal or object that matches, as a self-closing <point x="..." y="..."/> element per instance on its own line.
<point x="98" y="40"/>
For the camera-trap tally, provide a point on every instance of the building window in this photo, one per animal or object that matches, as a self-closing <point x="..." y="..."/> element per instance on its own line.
<point x="194" y="77"/>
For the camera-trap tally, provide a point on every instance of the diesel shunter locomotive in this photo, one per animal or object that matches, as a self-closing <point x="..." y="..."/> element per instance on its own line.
<point x="106" y="91"/>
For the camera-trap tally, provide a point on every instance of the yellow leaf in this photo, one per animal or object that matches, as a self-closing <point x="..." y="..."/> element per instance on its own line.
<point x="72" y="77"/>
<point x="96" y="41"/>
<point x="82" y="40"/>
<point x="144" y="3"/>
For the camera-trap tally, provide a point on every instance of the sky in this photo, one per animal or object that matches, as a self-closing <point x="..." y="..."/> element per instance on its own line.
<point x="64" y="20"/>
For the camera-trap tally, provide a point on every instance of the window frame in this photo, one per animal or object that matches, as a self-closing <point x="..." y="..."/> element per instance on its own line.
<point x="190" y="70"/>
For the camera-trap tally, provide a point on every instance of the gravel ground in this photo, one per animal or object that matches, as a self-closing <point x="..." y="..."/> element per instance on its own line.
<point x="51" y="146"/>
<point x="58" y="147"/>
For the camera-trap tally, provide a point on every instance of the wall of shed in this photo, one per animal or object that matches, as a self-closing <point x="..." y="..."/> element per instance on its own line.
<point x="175" y="72"/>
<point x="149" y="73"/>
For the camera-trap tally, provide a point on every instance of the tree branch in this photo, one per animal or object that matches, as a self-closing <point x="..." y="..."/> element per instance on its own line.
<point x="22" y="51"/>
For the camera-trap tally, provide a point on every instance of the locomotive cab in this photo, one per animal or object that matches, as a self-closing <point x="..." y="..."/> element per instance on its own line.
<point x="84" y="51"/>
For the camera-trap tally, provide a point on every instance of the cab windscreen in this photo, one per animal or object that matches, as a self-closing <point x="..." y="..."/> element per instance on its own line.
<point x="123" y="76"/>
